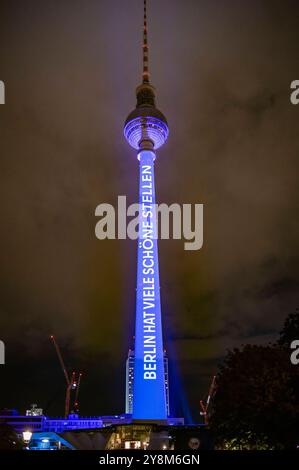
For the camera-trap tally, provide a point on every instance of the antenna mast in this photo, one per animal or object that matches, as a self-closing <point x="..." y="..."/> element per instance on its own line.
<point x="145" y="74"/>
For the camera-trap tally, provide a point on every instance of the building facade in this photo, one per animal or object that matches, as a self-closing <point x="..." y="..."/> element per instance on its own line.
<point x="42" y="423"/>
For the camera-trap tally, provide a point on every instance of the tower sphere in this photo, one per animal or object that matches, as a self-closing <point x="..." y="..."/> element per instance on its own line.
<point x="146" y="127"/>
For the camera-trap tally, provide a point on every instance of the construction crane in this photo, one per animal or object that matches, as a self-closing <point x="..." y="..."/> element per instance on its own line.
<point x="76" y="402"/>
<point x="71" y="382"/>
<point x="205" y="405"/>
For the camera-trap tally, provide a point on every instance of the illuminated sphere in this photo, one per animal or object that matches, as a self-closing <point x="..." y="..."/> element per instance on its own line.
<point x="146" y="126"/>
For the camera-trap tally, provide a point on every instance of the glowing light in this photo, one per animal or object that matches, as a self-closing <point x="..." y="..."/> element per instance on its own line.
<point x="149" y="384"/>
<point x="27" y="436"/>
<point x="146" y="128"/>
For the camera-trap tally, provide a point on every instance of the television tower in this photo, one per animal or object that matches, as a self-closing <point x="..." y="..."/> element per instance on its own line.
<point x="146" y="130"/>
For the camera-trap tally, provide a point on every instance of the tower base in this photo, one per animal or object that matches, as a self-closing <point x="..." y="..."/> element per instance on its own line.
<point x="142" y="437"/>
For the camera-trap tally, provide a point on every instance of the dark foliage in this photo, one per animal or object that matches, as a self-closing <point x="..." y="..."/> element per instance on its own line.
<point x="8" y="438"/>
<point x="290" y="331"/>
<point x="256" y="405"/>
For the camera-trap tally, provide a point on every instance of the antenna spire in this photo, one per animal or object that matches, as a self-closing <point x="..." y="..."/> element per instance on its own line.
<point x="145" y="74"/>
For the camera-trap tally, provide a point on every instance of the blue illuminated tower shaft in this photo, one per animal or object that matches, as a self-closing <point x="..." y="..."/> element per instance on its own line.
<point x="149" y="378"/>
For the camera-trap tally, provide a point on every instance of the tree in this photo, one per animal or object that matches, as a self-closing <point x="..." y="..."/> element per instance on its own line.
<point x="257" y="404"/>
<point x="290" y="330"/>
<point x="8" y="438"/>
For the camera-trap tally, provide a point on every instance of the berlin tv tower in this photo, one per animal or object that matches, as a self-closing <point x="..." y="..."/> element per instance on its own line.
<point x="146" y="130"/>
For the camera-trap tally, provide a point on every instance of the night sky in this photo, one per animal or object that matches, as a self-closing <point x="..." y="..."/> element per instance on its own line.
<point x="222" y="71"/>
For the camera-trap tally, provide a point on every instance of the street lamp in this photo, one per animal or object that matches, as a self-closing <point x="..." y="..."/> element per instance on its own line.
<point x="27" y="436"/>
